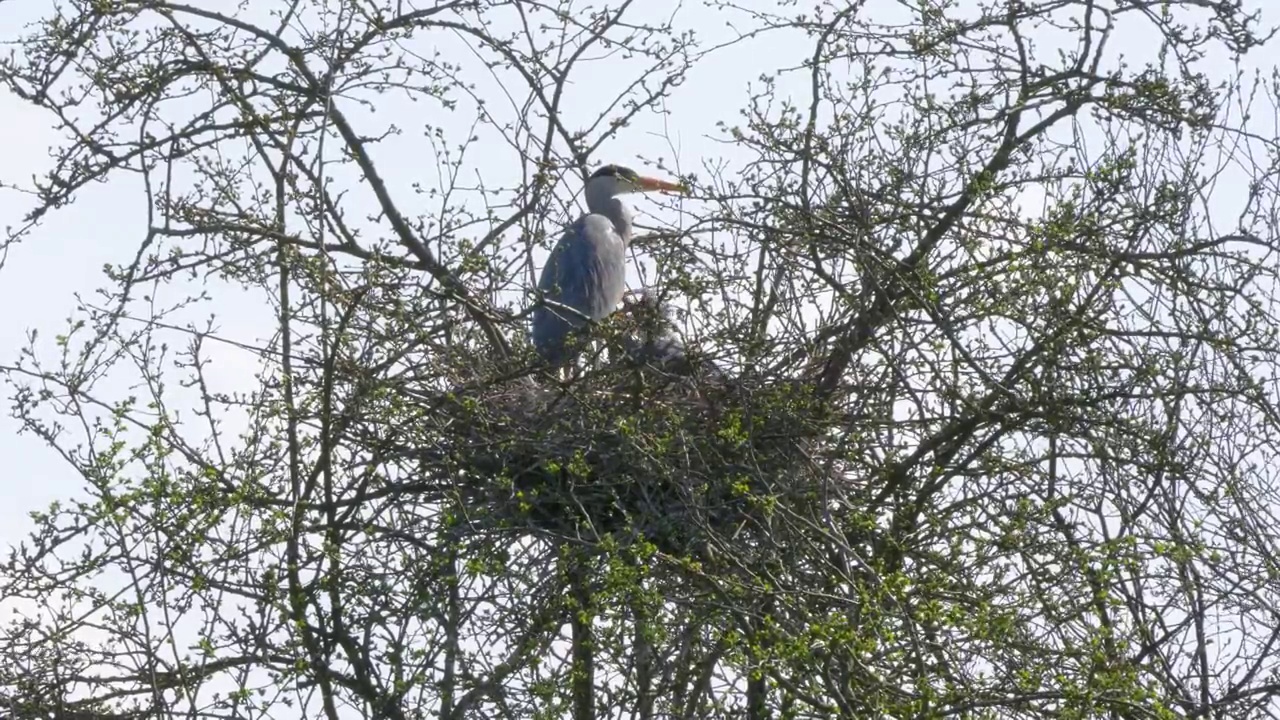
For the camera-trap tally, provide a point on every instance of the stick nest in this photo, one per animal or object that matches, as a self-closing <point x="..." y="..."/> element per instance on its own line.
<point x="695" y="466"/>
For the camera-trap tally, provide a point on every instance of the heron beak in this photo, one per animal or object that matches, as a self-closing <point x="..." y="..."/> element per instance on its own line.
<point x="648" y="184"/>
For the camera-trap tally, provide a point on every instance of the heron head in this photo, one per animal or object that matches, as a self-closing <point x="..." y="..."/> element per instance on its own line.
<point x="619" y="180"/>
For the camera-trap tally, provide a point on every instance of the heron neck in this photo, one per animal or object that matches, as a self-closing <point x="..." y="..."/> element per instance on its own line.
<point x="612" y="207"/>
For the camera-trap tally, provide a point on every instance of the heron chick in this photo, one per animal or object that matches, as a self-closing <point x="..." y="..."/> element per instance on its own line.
<point x="655" y="343"/>
<point x="585" y="275"/>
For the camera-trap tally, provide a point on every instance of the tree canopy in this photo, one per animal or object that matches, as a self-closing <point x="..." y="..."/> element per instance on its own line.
<point x="991" y="286"/>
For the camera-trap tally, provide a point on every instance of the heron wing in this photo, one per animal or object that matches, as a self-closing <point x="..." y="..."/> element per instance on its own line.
<point x="586" y="272"/>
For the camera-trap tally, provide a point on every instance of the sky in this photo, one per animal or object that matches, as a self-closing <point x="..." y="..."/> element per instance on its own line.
<point x="65" y="256"/>
<point x="42" y="276"/>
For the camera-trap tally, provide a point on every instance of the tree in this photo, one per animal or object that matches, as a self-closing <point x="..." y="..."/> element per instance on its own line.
<point x="971" y="459"/>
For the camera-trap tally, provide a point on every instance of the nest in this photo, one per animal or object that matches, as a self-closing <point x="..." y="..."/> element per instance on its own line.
<point x="685" y="462"/>
<point x="659" y="447"/>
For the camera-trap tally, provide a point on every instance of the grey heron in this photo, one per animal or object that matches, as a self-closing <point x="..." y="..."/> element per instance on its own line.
<point x="585" y="275"/>
<point x="655" y="343"/>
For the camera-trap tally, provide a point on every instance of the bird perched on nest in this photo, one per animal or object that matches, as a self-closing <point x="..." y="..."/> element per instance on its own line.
<point x="585" y="275"/>
<point x="654" y="343"/>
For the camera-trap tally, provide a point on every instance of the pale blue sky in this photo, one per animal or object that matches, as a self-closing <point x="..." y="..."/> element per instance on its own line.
<point x="67" y="253"/>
